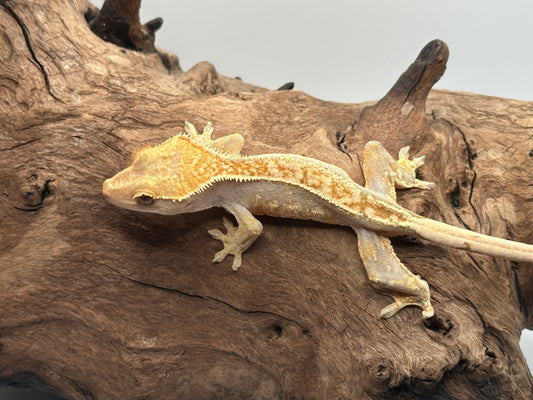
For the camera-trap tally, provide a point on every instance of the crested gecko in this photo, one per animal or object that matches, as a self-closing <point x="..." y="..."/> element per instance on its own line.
<point x="191" y="172"/>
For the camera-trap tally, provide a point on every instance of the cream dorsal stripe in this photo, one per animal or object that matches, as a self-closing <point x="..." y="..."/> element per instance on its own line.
<point x="192" y="172"/>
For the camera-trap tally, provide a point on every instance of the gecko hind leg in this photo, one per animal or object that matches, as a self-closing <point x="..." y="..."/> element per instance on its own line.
<point x="383" y="175"/>
<point x="388" y="274"/>
<point x="238" y="238"/>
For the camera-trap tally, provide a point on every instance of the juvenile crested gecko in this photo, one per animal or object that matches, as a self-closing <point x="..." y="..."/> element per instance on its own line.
<point x="191" y="172"/>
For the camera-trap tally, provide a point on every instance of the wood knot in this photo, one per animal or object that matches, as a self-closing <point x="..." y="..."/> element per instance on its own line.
<point x="420" y="205"/>
<point x="202" y="79"/>
<point x="30" y="191"/>
<point x="277" y="331"/>
<point x="381" y="372"/>
<point x="438" y="324"/>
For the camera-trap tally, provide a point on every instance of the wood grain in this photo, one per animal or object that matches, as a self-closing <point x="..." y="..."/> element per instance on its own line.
<point x="102" y="303"/>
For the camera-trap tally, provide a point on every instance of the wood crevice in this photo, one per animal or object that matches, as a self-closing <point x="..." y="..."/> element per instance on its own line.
<point x="26" y="34"/>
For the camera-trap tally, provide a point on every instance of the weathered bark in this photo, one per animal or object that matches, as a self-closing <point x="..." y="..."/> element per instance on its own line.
<point x="102" y="303"/>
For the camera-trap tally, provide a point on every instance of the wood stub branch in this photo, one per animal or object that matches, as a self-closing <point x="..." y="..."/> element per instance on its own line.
<point x="287" y="86"/>
<point x="118" y="22"/>
<point x="402" y="110"/>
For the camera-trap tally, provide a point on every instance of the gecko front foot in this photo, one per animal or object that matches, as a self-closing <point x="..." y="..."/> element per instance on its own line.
<point x="238" y="238"/>
<point x="232" y="244"/>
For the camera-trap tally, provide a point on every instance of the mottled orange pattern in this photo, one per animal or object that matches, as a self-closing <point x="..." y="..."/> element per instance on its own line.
<point x="189" y="167"/>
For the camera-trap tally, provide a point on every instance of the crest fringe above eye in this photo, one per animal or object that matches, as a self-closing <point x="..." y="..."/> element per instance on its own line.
<point x="135" y="153"/>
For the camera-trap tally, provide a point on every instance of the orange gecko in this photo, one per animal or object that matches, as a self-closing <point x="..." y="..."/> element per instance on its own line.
<point x="191" y="172"/>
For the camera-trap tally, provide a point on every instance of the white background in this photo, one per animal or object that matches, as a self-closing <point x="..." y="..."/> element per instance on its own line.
<point x="353" y="51"/>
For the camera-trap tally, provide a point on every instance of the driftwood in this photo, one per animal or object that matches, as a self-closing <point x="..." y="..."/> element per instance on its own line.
<point x="102" y="303"/>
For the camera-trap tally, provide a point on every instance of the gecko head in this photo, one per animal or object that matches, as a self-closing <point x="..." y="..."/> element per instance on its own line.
<point x="130" y="189"/>
<point x="152" y="183"/>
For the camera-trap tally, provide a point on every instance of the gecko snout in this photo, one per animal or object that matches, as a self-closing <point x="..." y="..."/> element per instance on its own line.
<point x="114" y="187"/>
<point x="107" y="188"/>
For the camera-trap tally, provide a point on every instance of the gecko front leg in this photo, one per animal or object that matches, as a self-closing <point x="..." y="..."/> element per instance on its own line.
<point x="238" y="238"/>
<point x="383" y="175"/>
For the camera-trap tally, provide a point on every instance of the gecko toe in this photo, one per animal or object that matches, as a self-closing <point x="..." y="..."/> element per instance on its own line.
<point x="404" y="152"/>
<point x="220" y="256"/>
<point x="419" y="161"/>
<point x="237" y="262"/>
<point x="390" y="310"/>
<point x="216" y="233"/>
<point x="424" y="184"/>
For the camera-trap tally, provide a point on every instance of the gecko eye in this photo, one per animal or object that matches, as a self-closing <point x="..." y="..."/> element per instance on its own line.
<point x="144" y="199"/>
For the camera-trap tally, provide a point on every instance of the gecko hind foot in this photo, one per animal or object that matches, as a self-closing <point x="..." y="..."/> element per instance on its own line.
<point x="383" y="174"/>
<point x="404" y="301"/>
<point x="408" y="171"/>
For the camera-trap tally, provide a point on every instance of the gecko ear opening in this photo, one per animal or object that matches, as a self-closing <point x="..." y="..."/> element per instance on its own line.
<point x="144" y="199"/>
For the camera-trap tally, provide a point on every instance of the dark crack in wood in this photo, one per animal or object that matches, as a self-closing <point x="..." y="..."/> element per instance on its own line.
<point x="26" y="34"/>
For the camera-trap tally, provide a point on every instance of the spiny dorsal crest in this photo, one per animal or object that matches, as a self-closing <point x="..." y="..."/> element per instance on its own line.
<point x="189" y="144"/>
<point x="146" y="153"/>
<point x="226" y="145"/>
<point x="204" y="137"/>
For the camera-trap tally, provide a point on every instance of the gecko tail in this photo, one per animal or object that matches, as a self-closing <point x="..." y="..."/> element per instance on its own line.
<point x="451" y="236"/>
